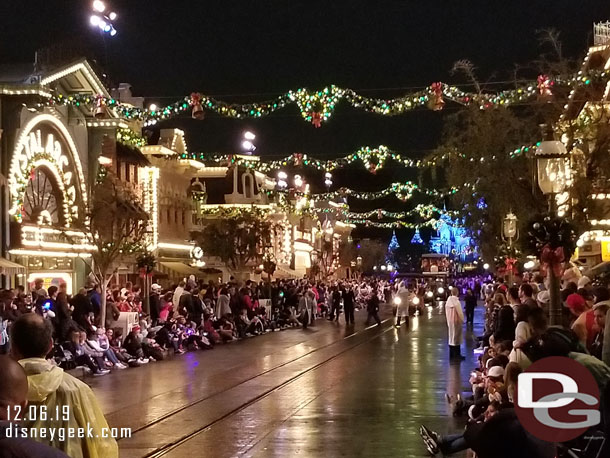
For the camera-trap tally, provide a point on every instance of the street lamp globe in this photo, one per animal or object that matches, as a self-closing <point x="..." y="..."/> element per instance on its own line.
<point x="509" y="226"/>
<point x="553" y="167"/>
<point x="248" y="146"/>
<point x="99" y="6"/>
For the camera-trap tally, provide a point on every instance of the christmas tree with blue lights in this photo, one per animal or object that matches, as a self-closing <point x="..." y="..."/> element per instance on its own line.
<point x="393" y="245"/>
<point x="417" y="240"/>
<point x="390" y="257"/>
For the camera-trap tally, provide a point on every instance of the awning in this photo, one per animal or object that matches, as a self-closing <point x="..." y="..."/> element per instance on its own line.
<point x="181" y="268"/>
<point x="10" y="268"/>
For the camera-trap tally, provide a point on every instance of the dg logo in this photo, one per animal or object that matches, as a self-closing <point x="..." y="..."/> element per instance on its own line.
<point x="557" y="399"/>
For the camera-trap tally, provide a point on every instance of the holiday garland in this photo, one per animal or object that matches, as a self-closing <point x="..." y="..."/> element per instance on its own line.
<point x="403" y="191"/>
<point x="373" y="159"/>
<point x="422" y="210"/>
<point x="317" y="107"/>
<point x="432" y="223"/>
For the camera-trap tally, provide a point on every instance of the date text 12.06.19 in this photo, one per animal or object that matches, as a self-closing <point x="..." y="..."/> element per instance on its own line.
<point x="35" y="412"/>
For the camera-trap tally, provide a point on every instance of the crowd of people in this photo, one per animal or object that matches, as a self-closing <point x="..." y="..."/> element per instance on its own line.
<point x="51" y="332"/>
<point x="516" y="334"/>
<point x="48" y="330"/>
<point x="192" y="315"/>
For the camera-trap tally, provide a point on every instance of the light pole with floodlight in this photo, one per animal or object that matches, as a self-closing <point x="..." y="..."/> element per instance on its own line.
<point x="553" y="173"/>
<point x="510" y="233"/>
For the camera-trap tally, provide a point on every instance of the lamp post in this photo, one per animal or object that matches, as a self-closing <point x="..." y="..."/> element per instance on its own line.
<point x="553" y="173"/>
<point x="510" y="234"/>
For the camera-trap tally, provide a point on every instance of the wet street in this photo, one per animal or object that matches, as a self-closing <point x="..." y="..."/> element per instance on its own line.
<point x="325" y="392"/>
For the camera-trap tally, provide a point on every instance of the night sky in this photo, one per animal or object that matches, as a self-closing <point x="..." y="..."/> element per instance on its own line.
<point x="255" y="50"/>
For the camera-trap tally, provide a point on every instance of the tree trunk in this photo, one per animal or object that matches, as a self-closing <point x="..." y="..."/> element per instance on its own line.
<point x="103" y="287"/>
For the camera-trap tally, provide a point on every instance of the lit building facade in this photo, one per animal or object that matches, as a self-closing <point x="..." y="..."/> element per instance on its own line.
<point x="47" y="154"/>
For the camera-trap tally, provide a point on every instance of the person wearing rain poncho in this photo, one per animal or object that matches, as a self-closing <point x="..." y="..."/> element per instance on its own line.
<point x="402" y="300"/>
<point x="455" y="321"/>
<point x="50" y="386"/>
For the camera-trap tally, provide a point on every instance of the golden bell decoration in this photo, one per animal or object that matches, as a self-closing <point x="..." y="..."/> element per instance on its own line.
<point x="197" y="112"/>
<point x="100" y="109"/>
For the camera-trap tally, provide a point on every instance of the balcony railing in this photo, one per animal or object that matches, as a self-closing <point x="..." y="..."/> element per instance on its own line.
<point x="601" y="33"/>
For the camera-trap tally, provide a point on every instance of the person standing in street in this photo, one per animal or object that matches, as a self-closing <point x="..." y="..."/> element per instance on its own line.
<point x="335" y="304"/>
<point x="470" y="303"/>
<point x="402" y="301"/>
<point x="348" y="304"/>
<point x="306" y="307"/>
<point x="372" y="308"/>
<point x="455" y="320"/>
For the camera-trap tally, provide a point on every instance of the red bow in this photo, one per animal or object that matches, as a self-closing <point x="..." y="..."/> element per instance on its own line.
<point x="437" y="88"/>
<point x="195" y="98"/>
<point x="544" y="86"/>
<point x="510" y="262"/>
<point x="436" y="101"/>
<point x="316" y="119"/>
<point x="553" y="259"/>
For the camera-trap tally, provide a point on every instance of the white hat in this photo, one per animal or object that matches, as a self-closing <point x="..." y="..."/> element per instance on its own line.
<point x="155" y="287"/>
<point x="583" y="281"/>
<point x="544" y="297"/>
<point x="496" y="371"/>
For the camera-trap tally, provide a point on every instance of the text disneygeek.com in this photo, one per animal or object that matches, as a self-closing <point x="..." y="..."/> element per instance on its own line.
<point x="62" y="433"/>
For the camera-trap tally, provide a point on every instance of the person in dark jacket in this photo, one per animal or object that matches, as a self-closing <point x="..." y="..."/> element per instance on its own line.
<point x="470" y="303"/>
<point x="63" y="323"/>
<point x="196" y="313"/>
<point x="185" y="307"/>
<point x="372" y="308"/>
<point x="505" y="329"/>
<point x="154" y="302"/>
<point x="335" y="304"/>
<point x="348" y="305"/>
<point x="82" y="310"/>
<point x="500" y="435"/>
<point x="96" y="302"/>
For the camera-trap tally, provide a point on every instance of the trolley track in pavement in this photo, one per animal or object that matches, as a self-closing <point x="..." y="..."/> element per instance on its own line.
<point x="184" y="414"/>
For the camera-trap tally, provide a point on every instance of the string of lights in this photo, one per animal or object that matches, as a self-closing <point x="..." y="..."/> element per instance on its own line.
<point x="373" y="159"/>
<point x="393" y="224"/>
<point x="317" y="107"/>
<point x="403" y="191"/>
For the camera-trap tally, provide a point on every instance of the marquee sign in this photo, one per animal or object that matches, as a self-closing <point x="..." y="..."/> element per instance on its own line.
<point x="46" y="179"/>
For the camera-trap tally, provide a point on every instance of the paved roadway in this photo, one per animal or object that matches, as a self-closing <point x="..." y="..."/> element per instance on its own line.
<point x="325" y="392"/>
